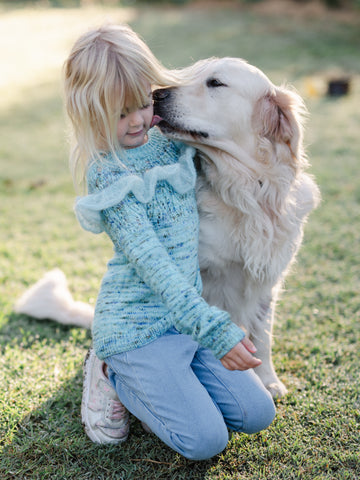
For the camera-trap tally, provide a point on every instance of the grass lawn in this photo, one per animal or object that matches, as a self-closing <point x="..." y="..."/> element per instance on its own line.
<point x="316" y="431"/>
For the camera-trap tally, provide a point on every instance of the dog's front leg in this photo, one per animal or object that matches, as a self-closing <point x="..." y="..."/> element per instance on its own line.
<point x="262" y="338"/>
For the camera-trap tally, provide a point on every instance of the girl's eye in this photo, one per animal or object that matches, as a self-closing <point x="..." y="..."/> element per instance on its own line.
<point x="144" y="107"/>
<point x="122" y="116"/>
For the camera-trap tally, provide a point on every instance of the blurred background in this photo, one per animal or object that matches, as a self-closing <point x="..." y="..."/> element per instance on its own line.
<point x="306" y="43"/>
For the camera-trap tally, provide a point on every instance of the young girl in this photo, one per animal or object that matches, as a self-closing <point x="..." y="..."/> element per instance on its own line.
<point x="179" y="365"/>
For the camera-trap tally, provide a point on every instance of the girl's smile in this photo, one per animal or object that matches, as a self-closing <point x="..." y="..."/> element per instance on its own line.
<point x="133" y="126"/>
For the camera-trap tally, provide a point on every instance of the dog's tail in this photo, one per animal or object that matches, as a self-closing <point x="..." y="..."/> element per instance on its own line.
<point x="50" y="298"/>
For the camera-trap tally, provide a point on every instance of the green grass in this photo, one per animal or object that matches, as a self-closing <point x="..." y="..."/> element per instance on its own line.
<point x="316" y="431"/>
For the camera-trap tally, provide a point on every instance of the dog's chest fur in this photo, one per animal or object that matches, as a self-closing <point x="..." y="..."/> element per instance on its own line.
<point x="242" y="268"/>
<point x="236" y="227"/>
<point x="217" y="223"/>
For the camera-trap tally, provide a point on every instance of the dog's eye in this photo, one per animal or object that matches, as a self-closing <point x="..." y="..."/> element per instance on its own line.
<point x="214" y="83"/>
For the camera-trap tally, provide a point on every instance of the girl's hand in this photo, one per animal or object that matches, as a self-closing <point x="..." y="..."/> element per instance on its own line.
<point x="240" y="357"/>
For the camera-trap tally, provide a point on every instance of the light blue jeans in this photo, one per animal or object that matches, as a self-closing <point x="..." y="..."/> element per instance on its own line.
<point x="186" y="396"/>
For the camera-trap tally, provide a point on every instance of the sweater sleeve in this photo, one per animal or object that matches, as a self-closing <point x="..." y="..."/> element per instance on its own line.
<point x="132" y="233"/>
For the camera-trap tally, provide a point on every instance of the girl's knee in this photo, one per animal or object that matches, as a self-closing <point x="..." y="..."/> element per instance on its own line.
<point x="206" y="448"/>
<point x="204" y="443"/>
<point x="260" y="414"/>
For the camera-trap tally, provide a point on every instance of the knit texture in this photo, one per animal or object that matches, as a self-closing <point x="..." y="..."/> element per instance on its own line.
<point x="153" y="282"/>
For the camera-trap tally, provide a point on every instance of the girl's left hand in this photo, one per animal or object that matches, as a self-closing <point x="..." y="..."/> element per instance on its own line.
<point x="240" y="357"/>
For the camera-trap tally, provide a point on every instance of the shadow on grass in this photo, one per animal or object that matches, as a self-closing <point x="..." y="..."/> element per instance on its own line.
<point x="49" y="442"/>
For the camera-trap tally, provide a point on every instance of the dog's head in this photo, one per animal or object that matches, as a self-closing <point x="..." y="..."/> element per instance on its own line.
<point x="230" y="105"/>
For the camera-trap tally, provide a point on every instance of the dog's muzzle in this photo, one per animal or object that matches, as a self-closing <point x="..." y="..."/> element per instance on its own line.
<point x="165" y="107"/>
<point x="162" y="99"/>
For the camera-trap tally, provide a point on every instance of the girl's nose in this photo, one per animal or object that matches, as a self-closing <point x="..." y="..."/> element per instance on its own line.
<point x="135" y="118"/>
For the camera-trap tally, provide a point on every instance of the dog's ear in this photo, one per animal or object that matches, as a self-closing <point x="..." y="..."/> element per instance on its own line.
<point x="278" y="117"/>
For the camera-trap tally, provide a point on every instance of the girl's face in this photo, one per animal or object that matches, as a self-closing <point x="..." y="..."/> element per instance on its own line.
<point x="133" y="125"/>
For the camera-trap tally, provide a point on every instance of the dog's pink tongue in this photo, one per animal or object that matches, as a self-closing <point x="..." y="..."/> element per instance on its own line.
<point x="155" y="120"/>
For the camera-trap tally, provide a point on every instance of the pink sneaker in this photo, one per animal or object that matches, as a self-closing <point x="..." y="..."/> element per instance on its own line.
<point x="105" y="418"/>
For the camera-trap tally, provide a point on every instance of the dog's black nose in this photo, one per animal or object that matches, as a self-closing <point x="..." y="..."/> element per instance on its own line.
<point x="161" y="94"/>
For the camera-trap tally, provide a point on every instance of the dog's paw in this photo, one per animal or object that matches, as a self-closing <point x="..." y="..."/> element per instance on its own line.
<point x="277" y="389"/>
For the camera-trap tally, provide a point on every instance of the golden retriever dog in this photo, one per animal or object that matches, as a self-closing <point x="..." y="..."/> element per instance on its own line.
<point x="253" y="196"/>
<point x="253" y="193"/>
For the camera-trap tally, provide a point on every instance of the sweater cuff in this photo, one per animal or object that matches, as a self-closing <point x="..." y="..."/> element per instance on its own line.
<point x="231" y="337"/>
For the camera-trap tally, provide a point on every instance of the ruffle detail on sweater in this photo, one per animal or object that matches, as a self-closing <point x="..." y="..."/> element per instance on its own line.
<point x="181" y="176"/>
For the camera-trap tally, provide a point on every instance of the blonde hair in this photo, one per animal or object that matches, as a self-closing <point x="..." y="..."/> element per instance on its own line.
<point x="107" y="68"/>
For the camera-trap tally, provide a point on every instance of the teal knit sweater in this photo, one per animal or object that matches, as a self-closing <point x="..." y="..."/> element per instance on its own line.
<point x="153" y="282"/>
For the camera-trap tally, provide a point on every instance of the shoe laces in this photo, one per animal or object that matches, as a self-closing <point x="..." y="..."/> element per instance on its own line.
<point x="117" y="410"/>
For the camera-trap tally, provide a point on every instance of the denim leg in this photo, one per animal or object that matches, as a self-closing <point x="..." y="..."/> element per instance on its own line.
<point x="158" y="385"/>
<point x="245" y="403"/>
